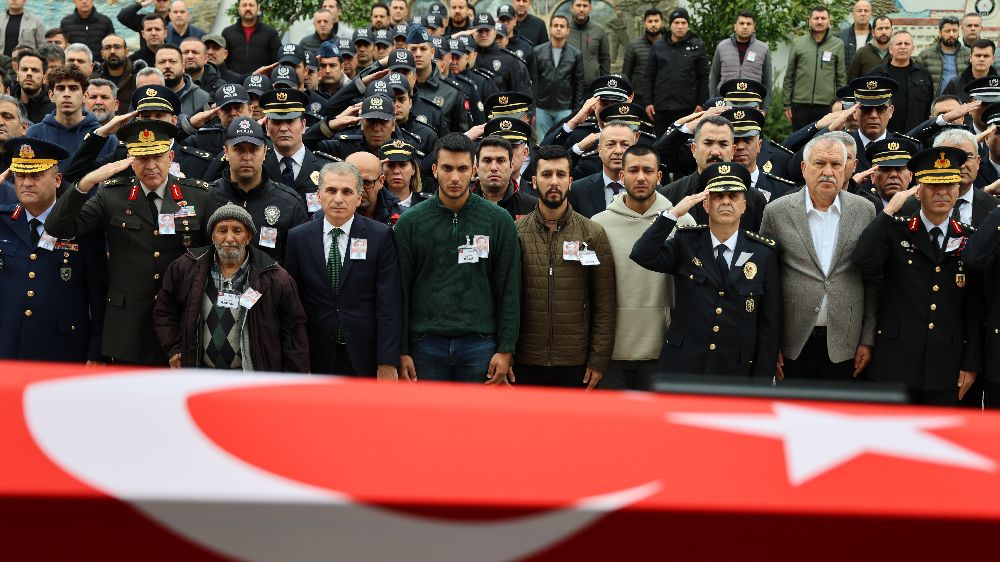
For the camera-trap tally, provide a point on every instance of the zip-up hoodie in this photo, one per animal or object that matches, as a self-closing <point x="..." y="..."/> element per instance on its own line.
<point x="68" y="137"/>
<point x="644" y="297"/>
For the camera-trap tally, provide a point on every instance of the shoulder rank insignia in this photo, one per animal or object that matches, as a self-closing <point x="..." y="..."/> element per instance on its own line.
<point x="692" y="226"/>
<point x="780" y="146"/>
<point x="754" y="236"/>
<point x="121" y="180"/>
<point x="913" y="224"/>
<point x="195" y="183"/>
<point x="779" y="178"/>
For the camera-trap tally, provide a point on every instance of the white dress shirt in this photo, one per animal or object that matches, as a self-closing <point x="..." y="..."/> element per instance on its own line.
<point x="730" y="250"/>
<point x="342" y="242"/>
<point x="609" y="194"/>
<point x="965" y="211"/>
<point x="297" y="159"/>
<point x="865" y="140"/>
<point x="928" y="225"/>
<point x="823" y="226"/>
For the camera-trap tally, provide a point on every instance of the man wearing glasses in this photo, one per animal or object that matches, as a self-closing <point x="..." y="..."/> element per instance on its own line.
<point x="117" y="68"/>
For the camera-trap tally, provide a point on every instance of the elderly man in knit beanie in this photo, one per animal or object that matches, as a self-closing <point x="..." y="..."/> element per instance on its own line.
<point x="230" y="305"/>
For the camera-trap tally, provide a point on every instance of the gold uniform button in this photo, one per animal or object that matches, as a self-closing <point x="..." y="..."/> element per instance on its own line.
<point x="156" y="276"/>
<point x="156" y="233"/>
<point x="718" y="311"/>
<point x="935" y="288"/>
<point x="65" y="261"/>
<point x="72" y="328"/>
<point x="31" y="275"/>
<point x="933" y="307"/>
<point x="711" y="347"/>
<point x="123" y="225"/>
<point x="930" y="326"/>
<point x="33" y="256"/>
<point x="156" y="254"/>
<point x="937" y="269"/>
<point x="722" y="293"/>
<point x="996" y="330"/>
<point x="715" y="329"/>
<point x="879" y="332"/>
<point x="691" y="277"/>
<point x="909" y="262"/>
<point x="27" y="312"/>
<point x="31" y="293"/>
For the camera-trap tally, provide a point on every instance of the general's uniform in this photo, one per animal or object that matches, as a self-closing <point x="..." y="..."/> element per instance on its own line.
<point x="139" y="252"/>
<point x="725" y="323"/>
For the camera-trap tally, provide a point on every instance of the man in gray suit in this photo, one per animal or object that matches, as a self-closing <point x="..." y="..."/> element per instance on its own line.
<point x="829" y="306"/>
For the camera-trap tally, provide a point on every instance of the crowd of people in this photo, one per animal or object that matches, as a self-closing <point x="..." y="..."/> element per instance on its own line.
<point x="461" y="195"/>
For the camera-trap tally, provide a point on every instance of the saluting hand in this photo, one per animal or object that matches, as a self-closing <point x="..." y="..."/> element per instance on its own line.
<point x="862" y="176"/>
<point x="476" y="132"/>
<point x="367" y="80"/>
<point x="348" y="117"/>
<point x="899" y="199"/>
<point x="3" y="176"/>
<point x="116" y="122"/>
<point x="688" y="203"/>
<point x="198" y="120"/>
<point x="104" y="173"/>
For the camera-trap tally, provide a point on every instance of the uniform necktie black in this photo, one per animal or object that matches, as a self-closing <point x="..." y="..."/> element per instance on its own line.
<point x="33" y="225"/>
<point x="956" y="210"/>
<point x="287" y="171"/>
<point x="151" y="198"/>
<point x="720" y="260"/>
<point x="935" y="232"/>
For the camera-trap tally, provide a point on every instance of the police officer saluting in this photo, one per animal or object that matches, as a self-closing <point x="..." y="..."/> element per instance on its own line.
<point x="149" y="220"/>
<point x="52" y="290"/>
<point x="726" y="281"/>
<point x="274" y="207"/>
<point x="928" y="335"/>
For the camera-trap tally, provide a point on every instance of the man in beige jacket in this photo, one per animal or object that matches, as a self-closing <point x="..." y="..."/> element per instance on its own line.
<point x="644" y="297"/>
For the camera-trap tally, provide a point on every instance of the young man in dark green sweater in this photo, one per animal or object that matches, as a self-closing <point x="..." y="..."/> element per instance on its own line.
<point x="460" y="262"/>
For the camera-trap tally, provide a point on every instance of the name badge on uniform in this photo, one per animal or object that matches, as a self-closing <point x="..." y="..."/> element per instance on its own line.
<point x="827" y="56"/>
<point x="359" y="248"/>
<point x="47" y="242"/>
<point x="268" y="236"/>
<point x="175" y="170"/>
<point x="312" y="202"/>
<point x="952" y="245"/>
<point x="186" y="211"/>
<point x="744" y="256"/>
<point x="467" y="253"/>
<point x="588" y="257"/>
<point x="167" y="223"/>
<point x="228" y="299"/>
<point x="751" y="56"/>
<point x="482" y="244"/>
<point x="571" y="250"/>
<point x="249" y="298"/>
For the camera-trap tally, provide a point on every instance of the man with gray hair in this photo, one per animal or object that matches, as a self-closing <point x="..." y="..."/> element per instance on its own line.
<point x="230" y="305"/>
<point x="13" y="123"/>
<point x="829" y="305"/>
<point x="100" y="99"/>
<point x="80" y="55"/>
<point x="348" y="277"/>
<point x="149" y="76"/>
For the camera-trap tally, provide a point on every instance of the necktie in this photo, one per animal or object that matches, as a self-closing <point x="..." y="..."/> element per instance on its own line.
<point x="615" y="187"/>
<point x="287" y="171"/>
<point x="33" y="225"/>
<point x="935" y="232"/>
<point x="151" y="198"/>
<point x="333" y="268"/>
<point x="956" y="212"/>
<point x="720" y="260"/>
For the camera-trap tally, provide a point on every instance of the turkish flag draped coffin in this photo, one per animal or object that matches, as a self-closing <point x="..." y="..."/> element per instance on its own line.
<point x="115" y="464"/>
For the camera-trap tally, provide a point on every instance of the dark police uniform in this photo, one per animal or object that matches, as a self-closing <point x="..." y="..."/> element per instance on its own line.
<point x="727" y="323"/>
<point x="927" y="327"/>
<point x="52" y="290"/>
<point x="139" y="253"/>
<point x="511" y="74"/>
<point x="746" y="93"/>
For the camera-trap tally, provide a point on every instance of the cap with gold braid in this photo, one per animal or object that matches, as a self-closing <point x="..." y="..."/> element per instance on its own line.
<point x="938" y="165"/>
<point x="507" y="104"/>
<point x="284" y="103"/>
<point x="724" y="176"/>
<point x="890" y="153"/>
<point x="629" y="113"/>
<point x="33" y="155"/>
<point x="742" y="92"/>
<point x="148" y="137"/>
<point x="397" y="151"/>
<point x="513" y="130"/>
<point x="747" y="121"/>
<point x="873" y="91"/>
<point x="155" y="98"/>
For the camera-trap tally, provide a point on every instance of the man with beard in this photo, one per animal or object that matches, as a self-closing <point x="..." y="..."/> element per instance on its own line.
<point x="149" y="219"/>
<point x="250" y="41"/>
<point x="402" y="174"/>
<point x="117" y="68"/>
<point x="199" y="318"/>
<point x="592" y="194"/>
<point x="591" y="40"/>
<point x="637" y="52"/>
<point x="444" y="92"/>
<point x="215" y="50"/>
<point x="947" y="58"/>
<point x="728" y="288"/>
<point x="68" y="124"/>
<point x="568" y="305"/>
<point x="30" y="88"/>
<point x="180" y="27"/>
<point x="644" y="298"/>
<point x="169" y="62"/>
<point x="85" y="25"/>
<point x="154" y="35"/>
<point x="460" y="17"/>
<point x="748" y="126"/>
<point x="511" y="74"/>
<point x="891" y="174"/>
<point x="100" y="100"/>
<point x="871" y="54"/>
<point x="13" y="123"/>
<point x="494" y="163"/>
<point x="713" y="142"/>
<point x="276" y="208"/>
<point x="379" y="16"/>
<point x="204" y="75"/>
<point x="378" y="203"/>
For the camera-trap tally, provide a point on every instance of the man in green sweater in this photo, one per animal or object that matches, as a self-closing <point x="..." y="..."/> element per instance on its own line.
<point x="460" y="262"/>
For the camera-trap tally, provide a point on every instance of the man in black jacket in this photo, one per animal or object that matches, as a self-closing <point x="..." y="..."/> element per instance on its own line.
<point x="558" y="80"/>
<point x="494" y="161"/>
<point x="677" y="71"/>
<point x="511" y="73"/>
<point x="85" y="25"/>
<point x="264" y="44"/>
<point x="529" y="26"/>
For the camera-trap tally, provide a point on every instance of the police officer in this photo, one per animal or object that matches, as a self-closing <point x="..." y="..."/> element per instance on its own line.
<point x="748" y="126"/>
<point x="579" y="132"/>
<point x="348" y="57"/>
<point x="443" y="91"/>
<point x="231" y="102"/>
<point x="148" y="102"/>
<point x="453" y="51"/>
<point x="514" y="106"/>
<point x="928" y="335"/>
<point x="524" y="49"/>
<point x="149" y="219"/>
<point x="331" y="73"/>
<point x="496" y="167"/>
<point x="52" y="290"/>
<point x="743" y="92"/>
<point x="377" y="126"/>
<point x="890" y="156"/>
<point x="511" y="73"/>
<point x="402" y="174"/>
<point x="274" y="207"/>
<point x="726" y="282"/>
<point x="256" y="85"/>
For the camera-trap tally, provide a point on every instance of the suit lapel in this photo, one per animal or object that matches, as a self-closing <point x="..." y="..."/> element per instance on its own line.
<point x="597" y="194"/>
<point x="358" y="230"/>
<point x="316" y="244"/>
<point x="272" y="168"/>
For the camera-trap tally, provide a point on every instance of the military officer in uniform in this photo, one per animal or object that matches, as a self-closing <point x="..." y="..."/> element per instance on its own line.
<point x="728" y="313"/>
<point x="748" y="127"/>
<point x="52" y="290"/>
<point x="578" y="132"/>
<point x="890" y="157"/>
<point x="149" y="219"/>
<point x="930" y="308"/>
<point x="515" y="106"/>
<point x="148" y="102"/>
<point x="274" y="207"/>
<point x="743" y="92"/>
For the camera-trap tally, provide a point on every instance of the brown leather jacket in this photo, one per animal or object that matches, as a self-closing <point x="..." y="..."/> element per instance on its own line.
<point x="568" y="309"/>
<point x="277" y="322"/>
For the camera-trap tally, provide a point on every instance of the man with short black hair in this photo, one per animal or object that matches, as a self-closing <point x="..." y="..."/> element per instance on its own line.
<point x="250" y="41"/>
<point x="677" y="70"/>
<point x="379" y="16"/>
<point x="204" y="75"/>
<point x="18" y="27"/>
<point x="742" y="55"/>
<point x="637" y="52"/>
<point x="981" y="60"/>
<point x="30" y="88"/>
<point x="591" y="39"/>
<point x="494" y="162"/>
<point x="558" y="78"/>
<point x="154" y="35"/>
<point x="872" y="53"/>
<point x="947" y="57"/>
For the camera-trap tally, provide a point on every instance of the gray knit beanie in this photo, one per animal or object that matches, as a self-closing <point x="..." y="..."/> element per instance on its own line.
<point x="231" y="212"/>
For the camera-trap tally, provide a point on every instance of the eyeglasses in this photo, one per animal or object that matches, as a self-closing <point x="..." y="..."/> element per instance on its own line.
<point x="370" y="183"/>
<point x="874" y="108"/>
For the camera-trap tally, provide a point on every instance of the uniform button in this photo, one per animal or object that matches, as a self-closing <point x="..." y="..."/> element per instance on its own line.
<point x="933" y="307"/>
<point x="156" y="254"/>
<point x="909" y="262"/>
<point x="123" y="225"/>
<point x="156" y="276"/>
<point x="711" y="347"/>
<point x="722" y="293"/>
<point x="31" y="293"/>
<point x="718" y="311"/>
<point x="33" y="256"/>
<point x="817" y="309"/>
<point x="27" y="312"/>
<point x="65" y="261"/>
<point x="156" y="233"/>
<point x="996" y="330"/>
<point x="691" y="277"/>
<point x="715" y="329"/>
<point x="935" y="288"/>
<point x="937" y="269"/>
<point x="826" y="283"/>
<point x="31" y="275"/>
<point x="879" y="332"/>
<point x="72" y="328"/>
<point x="930" y="326"/>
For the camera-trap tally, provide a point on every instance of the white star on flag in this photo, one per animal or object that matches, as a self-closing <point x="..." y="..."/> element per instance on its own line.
<point x="820" y="440"/>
